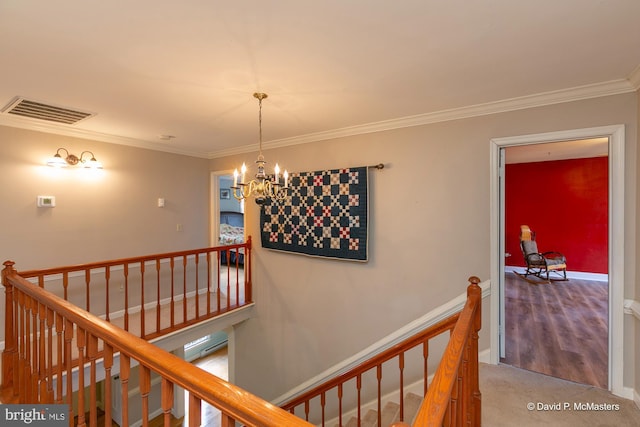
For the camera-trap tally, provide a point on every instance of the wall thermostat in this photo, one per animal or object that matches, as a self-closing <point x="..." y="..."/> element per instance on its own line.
<point x="46" y="201"/>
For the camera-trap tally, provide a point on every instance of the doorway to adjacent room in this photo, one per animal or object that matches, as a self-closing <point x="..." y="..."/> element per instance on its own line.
<point x="615" y="256"/>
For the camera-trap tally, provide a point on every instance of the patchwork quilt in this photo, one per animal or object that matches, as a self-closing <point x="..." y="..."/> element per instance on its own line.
<point x="325" y="215"/>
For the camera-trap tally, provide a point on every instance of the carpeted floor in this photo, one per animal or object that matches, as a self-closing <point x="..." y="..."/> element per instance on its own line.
<point x="516" y="397"/>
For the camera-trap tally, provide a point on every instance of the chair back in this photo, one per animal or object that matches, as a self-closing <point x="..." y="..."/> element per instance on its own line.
<point x="528" y="244"/>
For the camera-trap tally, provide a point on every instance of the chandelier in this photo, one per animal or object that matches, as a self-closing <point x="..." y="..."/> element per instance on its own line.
<point x="264" y="187"/>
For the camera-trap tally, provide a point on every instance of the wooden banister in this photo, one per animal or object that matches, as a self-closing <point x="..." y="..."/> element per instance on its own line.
<point x="462" y="350"/>
<point x="178" y="277"/>
<point x="235" y="403"/>
<point x="47" y="339"/>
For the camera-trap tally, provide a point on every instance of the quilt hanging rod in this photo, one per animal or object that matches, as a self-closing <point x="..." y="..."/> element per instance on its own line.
<point x="378" y="166"/>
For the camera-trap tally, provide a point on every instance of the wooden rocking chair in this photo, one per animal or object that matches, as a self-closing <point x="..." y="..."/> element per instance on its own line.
<point x="540" y="264"/>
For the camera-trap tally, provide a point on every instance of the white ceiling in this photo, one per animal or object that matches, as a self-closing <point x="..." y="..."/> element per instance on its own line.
<point x="189" y="69"/>
<point x="561" y="150"/>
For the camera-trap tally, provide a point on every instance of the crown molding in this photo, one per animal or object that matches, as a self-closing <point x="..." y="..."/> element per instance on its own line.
<point x="614" y="87"/>
<point x="38" y="126"/>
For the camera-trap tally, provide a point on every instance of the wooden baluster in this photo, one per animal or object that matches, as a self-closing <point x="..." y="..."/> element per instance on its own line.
<point x="401" y="368"/>
<point x="14" y="361"/>
<point x="197" y="262"/>
<point x="143" y="332"/>
<point x="10" y="343"/>
<point x="167" y="400"/>
<point x="184" y="289"/>
<point x="28" y="354"/>
<point x="65" y="285"/>
<point x="248" y="284"/>
<point x="145" y="389"/>
<point x="238" y="277"/>
<point x="306" y="410"/>
<point x="195" y="411"/>
<point x="227" y="421"/>
<point x="425" y="357"/>
<point x="126" y="297"/>
<point x="87" y="280"/>
<point x="60" y="363"/>
<point x="219" y="279"/>
<point x="379" y="379"/>
<point x="208" y="283"/>
<point x="158" y="296"/>
<point x="323" y="404"/>
<point x="359" y="392"/>
<point x="108" y="364"/>
<point x="465" y="415"/>
<point x="107" y="277"/>
<point x="173" y="308"/>
<point x="81" y="341"/>
<point x="125" y="371"/>
<point x="92" y="354"/>
<point x="22" y="349"/>
<point x="228" y="280"/>
<point x="68" y="337"/>
<point x="42" y="355"/>
<point x="340" y="405"/>
<point x="50" y="365"/>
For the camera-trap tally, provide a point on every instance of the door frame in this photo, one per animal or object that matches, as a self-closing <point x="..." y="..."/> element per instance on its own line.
<point x="616" y="136"/>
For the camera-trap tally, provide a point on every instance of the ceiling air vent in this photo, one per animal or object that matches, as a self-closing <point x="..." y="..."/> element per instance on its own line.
<point x="51" y="113"/>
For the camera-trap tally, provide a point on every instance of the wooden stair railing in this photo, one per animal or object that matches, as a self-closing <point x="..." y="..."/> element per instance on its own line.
<point x="452" y="399"/>
<point x="37" y="364"/>
<point x="147" y="295"/>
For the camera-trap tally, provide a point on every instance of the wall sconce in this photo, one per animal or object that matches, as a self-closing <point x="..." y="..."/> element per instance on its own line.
<point x="72" y="160"/>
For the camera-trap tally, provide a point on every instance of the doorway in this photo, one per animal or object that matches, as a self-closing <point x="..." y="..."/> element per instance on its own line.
<point x="558" y="327"/>
<point x="615" y="138"/>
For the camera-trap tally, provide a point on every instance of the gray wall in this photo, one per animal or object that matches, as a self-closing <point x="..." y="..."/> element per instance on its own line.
<point x="112" y="214"/>
<point x="429" y="231"/>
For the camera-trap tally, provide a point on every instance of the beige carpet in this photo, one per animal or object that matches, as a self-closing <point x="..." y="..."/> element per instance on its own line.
<point x="508" y="393"/>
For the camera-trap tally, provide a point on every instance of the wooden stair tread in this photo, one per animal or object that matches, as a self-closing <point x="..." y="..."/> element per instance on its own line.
<point x="390" y="413"/>
<point x="412" y="404"/>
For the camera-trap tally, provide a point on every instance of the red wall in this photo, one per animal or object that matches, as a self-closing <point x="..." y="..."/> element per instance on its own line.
<point x="566" y="203"/>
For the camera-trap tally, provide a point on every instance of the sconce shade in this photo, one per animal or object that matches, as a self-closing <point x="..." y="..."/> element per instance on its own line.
<point x="57" y="161"/>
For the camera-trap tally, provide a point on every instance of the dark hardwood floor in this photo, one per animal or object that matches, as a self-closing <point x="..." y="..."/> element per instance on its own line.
<point x="558" y="329"/>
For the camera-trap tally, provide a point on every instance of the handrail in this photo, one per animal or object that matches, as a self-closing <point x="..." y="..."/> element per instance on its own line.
<point x="31" y="374"/>
<point x="465" y="323"/>
<point x="129" y="260"/>
<point x="454" y="395"/>
<point x="119" y="288"/>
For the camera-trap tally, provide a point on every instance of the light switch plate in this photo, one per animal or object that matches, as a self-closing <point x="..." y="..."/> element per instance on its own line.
<point x="46" y="201"/>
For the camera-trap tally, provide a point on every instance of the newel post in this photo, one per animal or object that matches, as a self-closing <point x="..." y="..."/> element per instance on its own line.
<point x="10" y="344"/>
<point x="475" y="292"/>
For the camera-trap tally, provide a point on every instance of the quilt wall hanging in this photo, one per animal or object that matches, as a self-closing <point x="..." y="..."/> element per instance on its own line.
<point x="325" y="215"/>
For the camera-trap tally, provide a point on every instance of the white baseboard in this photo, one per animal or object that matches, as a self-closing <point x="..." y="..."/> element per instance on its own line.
<point x="636" y="398"/>
<point x="578" y="275"/>
<point x="484" y="356"/>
